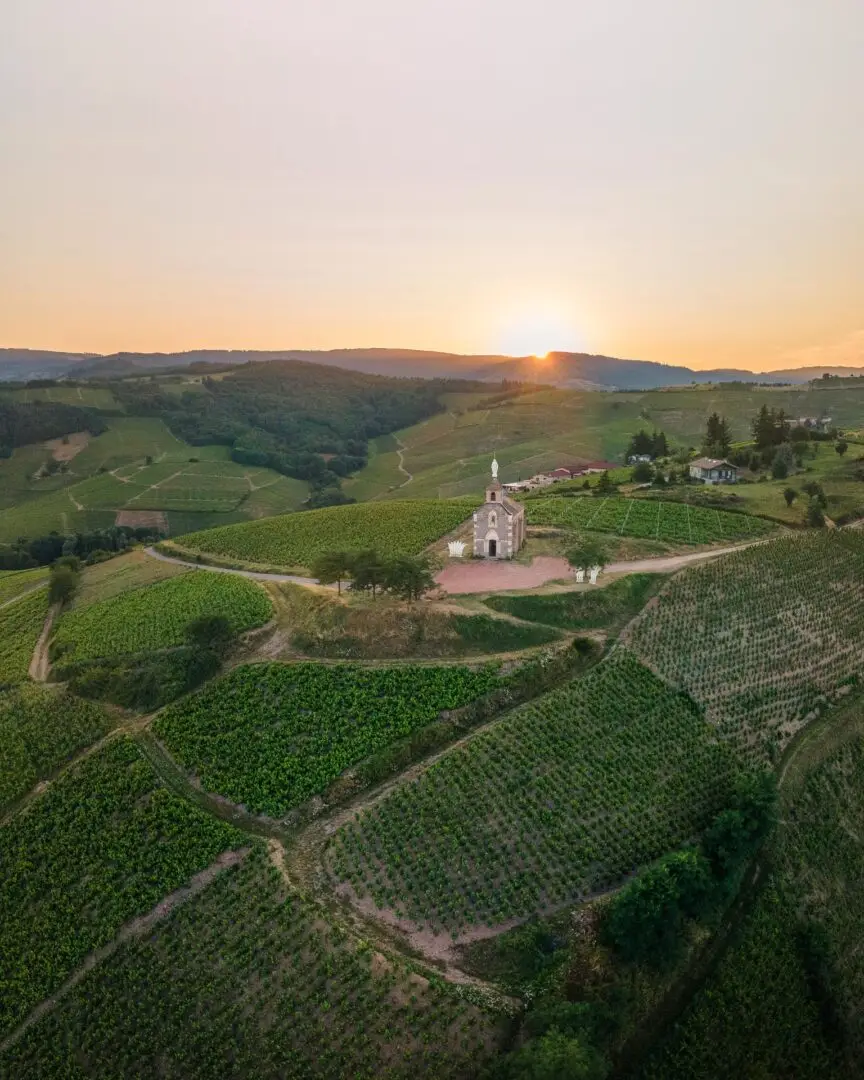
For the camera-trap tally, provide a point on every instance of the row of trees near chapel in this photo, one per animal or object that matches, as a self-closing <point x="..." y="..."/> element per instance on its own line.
<point x="406" y="576"/>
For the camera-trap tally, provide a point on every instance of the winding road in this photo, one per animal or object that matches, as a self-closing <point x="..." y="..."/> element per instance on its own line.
<point x="485" y="576"/>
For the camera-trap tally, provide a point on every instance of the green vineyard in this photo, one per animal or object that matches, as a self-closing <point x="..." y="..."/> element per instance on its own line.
<point x="762" y="638"/>
<point x="40" y="728"/>
<point x="156" y="616"/>
<point x="560" y="798"/>
<point x="648" y="519"/>
<point x="399" y="528"/>
<point x="250" y="980"/>
<point x="21" y="623"/>
<point x="103" y="843"/>
<point x="270" y="735"/>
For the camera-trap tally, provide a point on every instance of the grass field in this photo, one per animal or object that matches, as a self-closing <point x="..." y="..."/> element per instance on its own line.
<point x="156" y="616"/>
<point x="40" y="728"/>
<point x="93" y="397"/>
<point x="563" y="796"/>
<point x="764" y="638"/>
<point x="650" y="519"/>
<point x="294" y="541"/>
<point x="449" y="454"/>
<point x="270" y="736"/>
<point x="250" y="980"/>
<point x="608" y="608"/>
<point x="103" y="843"/>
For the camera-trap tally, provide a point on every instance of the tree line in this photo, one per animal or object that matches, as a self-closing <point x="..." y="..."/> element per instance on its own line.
<point x="407" y="576"/>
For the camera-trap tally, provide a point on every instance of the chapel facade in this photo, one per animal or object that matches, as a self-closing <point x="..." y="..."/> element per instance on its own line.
<point x="499" y="524"/>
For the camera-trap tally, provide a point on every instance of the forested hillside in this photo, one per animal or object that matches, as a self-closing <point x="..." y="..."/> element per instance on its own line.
<point x="22" y="424"/>
<point x="304" y="420"/>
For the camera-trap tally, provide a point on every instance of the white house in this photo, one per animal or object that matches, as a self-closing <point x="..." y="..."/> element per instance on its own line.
<point x="713" y="471"/>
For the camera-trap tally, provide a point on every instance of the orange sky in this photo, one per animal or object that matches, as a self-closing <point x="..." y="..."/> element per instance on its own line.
<point x="676" y="181"/>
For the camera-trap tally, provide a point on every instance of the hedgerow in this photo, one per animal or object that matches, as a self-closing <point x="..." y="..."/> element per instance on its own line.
<point x="40" y="727"/>
<point x="562" y="797"/>
<point x="271" y="735"/>
<point x="607" y="608"/>
<point x="249" y="980"/>
<point x="645" y="518"/>
<point x="403" y="527"/>
<point x="103" y="843"/>
<point x="762" y="638"/>
<point x="156" y="616"/>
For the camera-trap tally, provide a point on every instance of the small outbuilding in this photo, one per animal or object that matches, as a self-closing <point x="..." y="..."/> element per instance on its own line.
<point x="499" y="524"/>
<point x="713" y="471"/>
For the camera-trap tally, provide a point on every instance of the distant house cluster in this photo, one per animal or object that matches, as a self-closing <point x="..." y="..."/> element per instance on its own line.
<point x="555" y="476"/>
<point x="815" y="423"/>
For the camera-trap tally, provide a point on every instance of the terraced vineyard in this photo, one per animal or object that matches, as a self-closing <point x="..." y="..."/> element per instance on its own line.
<point x="103" y="843"/>
<point x="21" y="624"/>
<point x="271" y="735"/>
<point x="405" y="527"/>
<point x="762" y="638"/>
<point x="40" y="727"/>
<point x="563" y="796"/>
<point x="156" y="616"/>
<point x="645" y="518"/>
<point x="250" y="980"/>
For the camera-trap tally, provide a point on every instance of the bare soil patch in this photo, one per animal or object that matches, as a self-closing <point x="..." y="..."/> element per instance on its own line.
<point x="142" y="519"/>
<point x="478" y="576"/>
<point x="68" y="447"/>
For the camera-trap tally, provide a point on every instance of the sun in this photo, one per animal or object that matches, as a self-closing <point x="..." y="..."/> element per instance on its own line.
<point x="538" y="335"/>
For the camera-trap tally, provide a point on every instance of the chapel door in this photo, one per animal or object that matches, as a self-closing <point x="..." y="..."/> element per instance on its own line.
<point x="493" y="548"/>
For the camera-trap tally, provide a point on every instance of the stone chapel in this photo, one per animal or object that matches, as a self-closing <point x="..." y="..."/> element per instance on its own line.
<point x="499" y="524"/>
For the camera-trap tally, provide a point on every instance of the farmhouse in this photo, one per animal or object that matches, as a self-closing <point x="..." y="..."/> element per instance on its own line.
<point x="499" y="524"/>
<point x="713" y="470"/>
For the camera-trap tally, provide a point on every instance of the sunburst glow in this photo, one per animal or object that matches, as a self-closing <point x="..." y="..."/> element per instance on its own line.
<point x="539" y="334"/>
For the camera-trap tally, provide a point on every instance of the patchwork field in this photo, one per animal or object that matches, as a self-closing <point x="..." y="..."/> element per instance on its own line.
<point x="103" y="843"/>
<point x="563" y="796"/>
<point x="111" y="473"/>
<point x="249" y="980"/>
<point x="40" y="728"/>
<point x="156" y="616"/>
<point x="764" y="638"/>
<point x="270" y="736"/>
<point x="649" y="518"/>
<point x="294" y="541"/>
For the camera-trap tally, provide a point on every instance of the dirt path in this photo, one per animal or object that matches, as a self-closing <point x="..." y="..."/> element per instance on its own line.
<point x="74" y="501"/>
<point x="134" y="928"/>
<point x="401" y="455"/>
<point x="254" y="574"/>
<point x="39" y="664"/>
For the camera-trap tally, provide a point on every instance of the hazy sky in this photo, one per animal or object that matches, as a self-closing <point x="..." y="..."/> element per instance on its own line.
<point x="677" y="180"/>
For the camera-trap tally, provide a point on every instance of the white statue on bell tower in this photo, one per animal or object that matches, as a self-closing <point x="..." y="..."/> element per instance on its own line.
<point x="494" y="468"/>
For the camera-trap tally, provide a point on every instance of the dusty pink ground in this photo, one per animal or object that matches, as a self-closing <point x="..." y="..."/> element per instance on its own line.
<point x="476" y="576"/>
